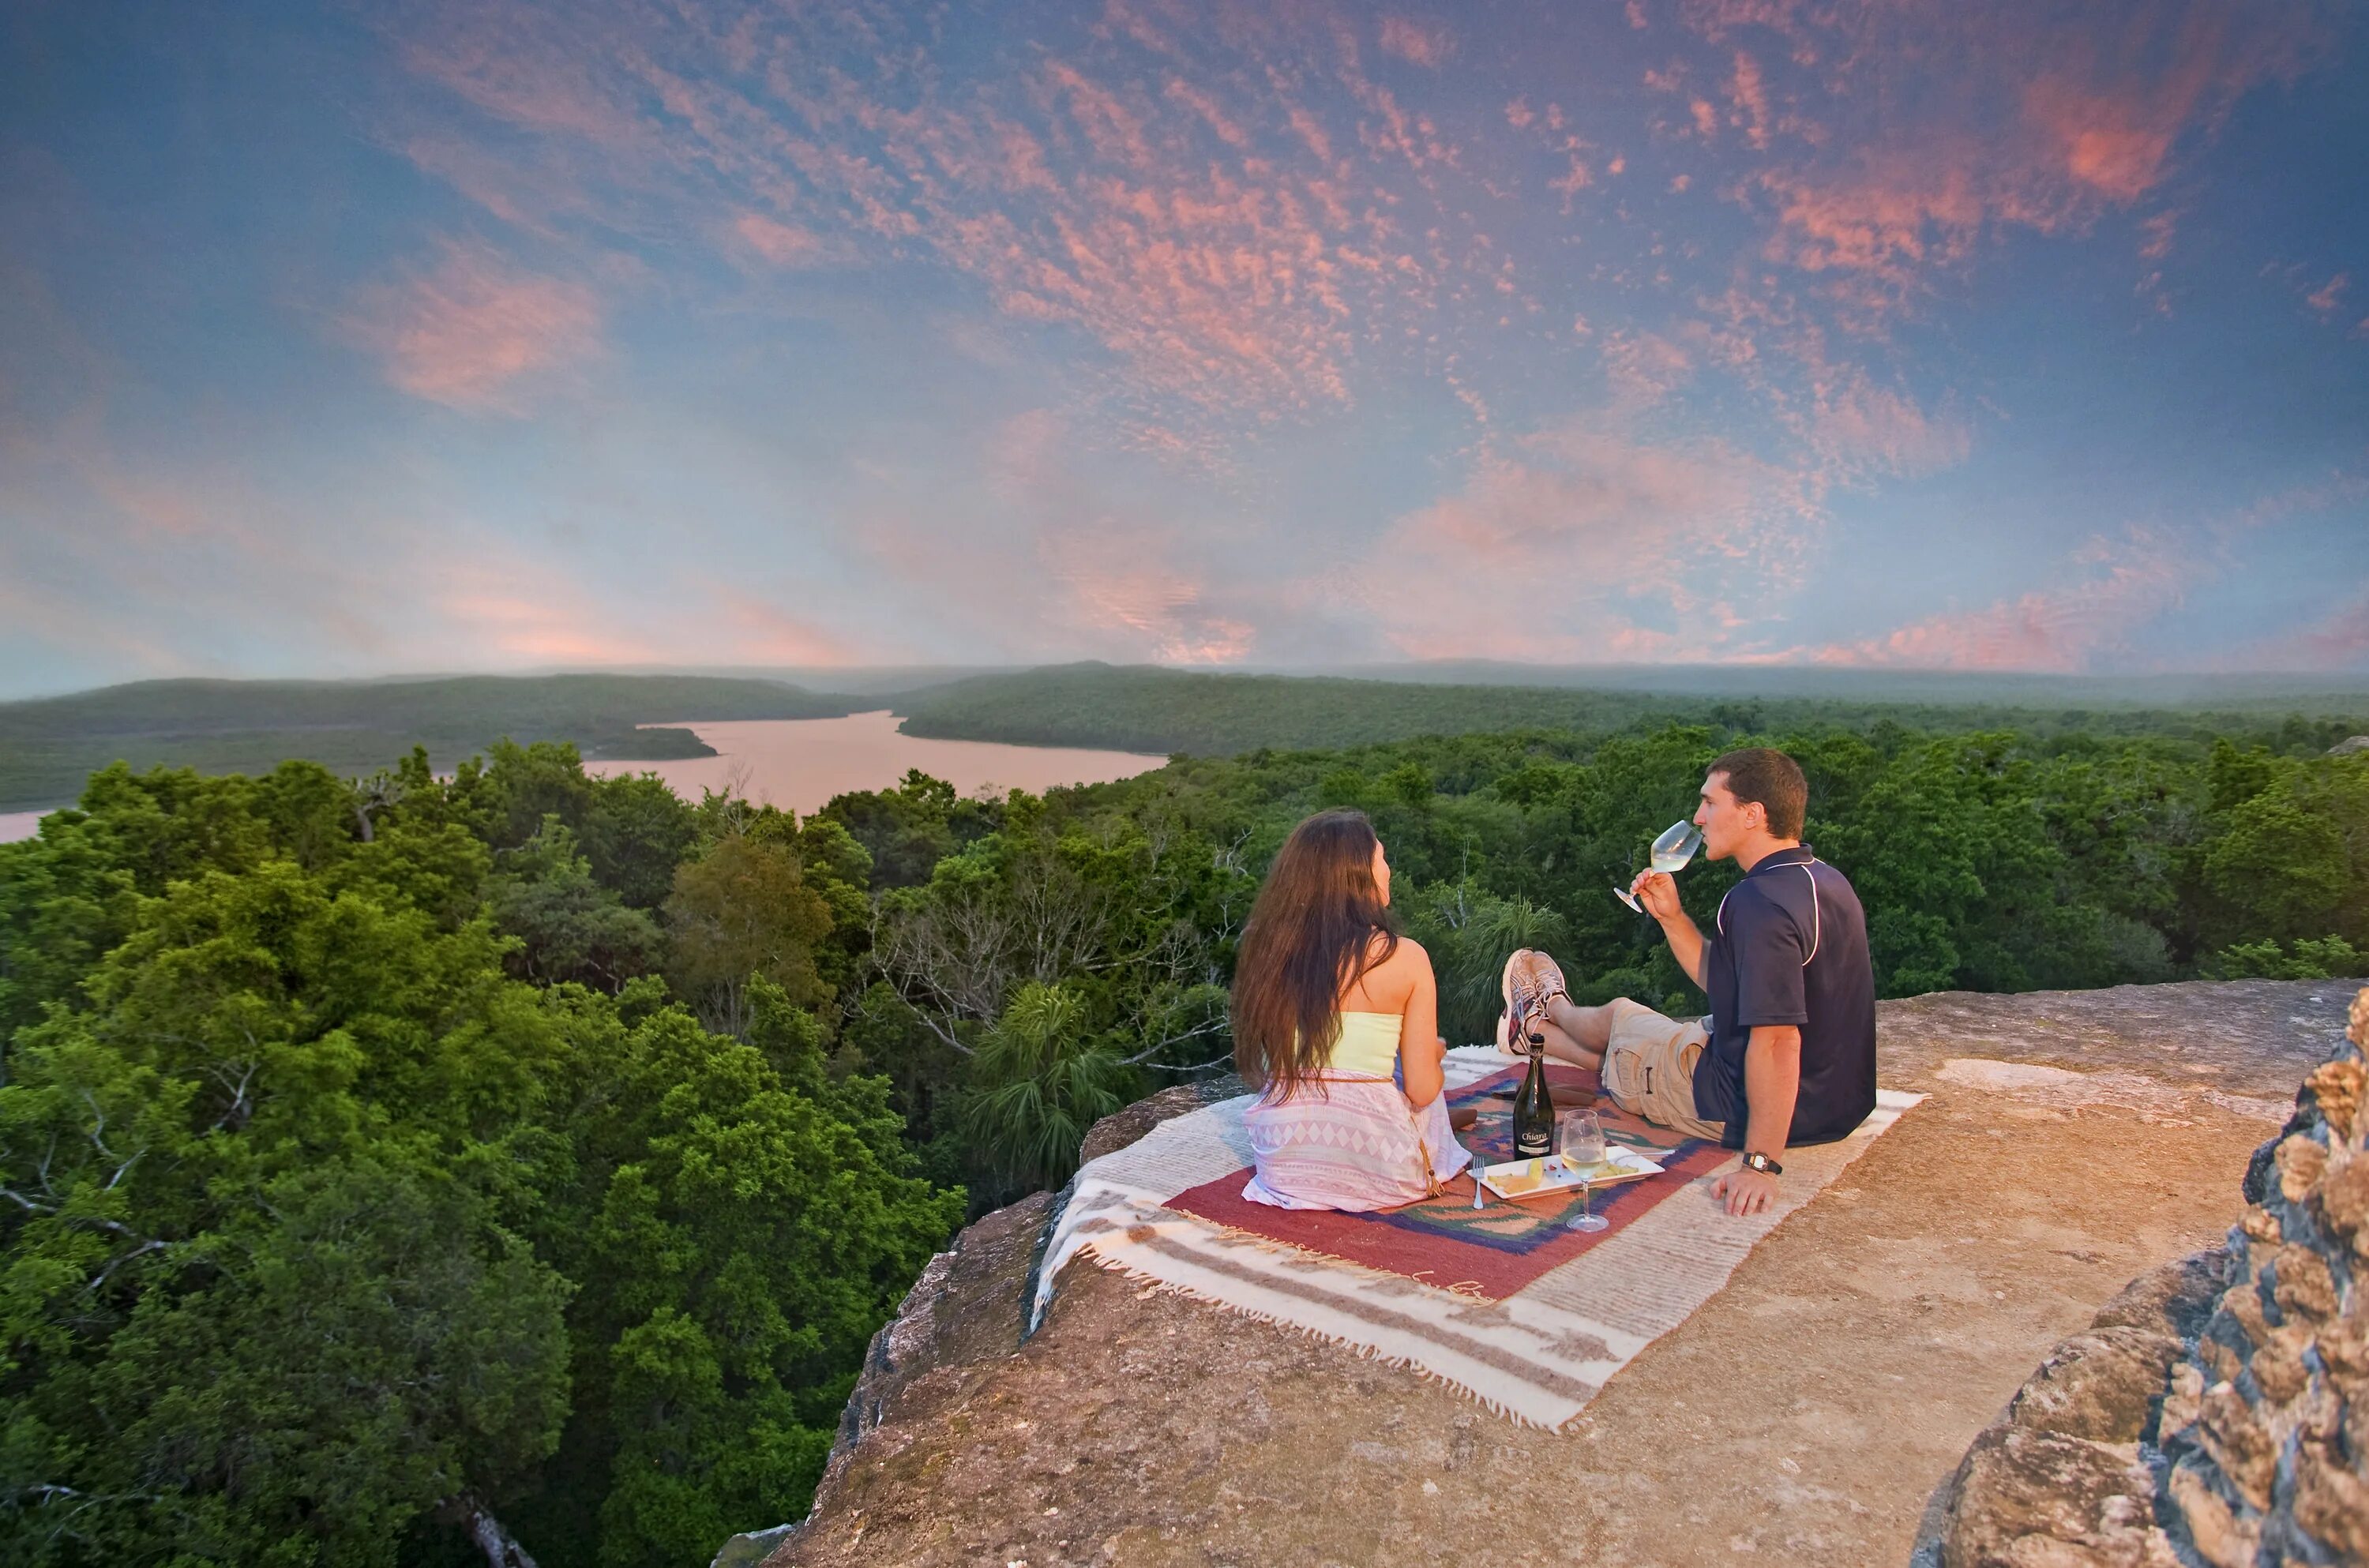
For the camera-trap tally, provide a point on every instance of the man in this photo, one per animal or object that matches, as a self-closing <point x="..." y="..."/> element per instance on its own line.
<point x="1788" y="1054"/>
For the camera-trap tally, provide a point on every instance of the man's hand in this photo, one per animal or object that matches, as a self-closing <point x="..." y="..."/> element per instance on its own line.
<point x="1745" y="1191"/>
<point x="1658" y="891"/>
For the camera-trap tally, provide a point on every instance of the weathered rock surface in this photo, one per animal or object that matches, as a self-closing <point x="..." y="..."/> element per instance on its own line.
<point x="2217" y="1412"/>
<point x="1806" y="1414"/>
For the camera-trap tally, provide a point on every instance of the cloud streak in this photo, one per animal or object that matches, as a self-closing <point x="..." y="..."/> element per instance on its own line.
<point x="1585" y="544"/>
<point x="474" y="333"/>
<point x="2122" y="587"/>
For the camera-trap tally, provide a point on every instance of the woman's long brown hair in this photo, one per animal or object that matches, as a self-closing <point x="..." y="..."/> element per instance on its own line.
<point x="1309" y="938"/>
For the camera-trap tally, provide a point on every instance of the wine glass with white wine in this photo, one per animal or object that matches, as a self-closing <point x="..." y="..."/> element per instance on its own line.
<point x="1676" y="846"/>
<point x="1580" y="1142"/>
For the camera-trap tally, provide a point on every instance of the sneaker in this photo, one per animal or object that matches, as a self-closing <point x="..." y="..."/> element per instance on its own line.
<point x="1516" y="974"/>
<point x="1546" y="977"/>
<point x="1506" y="1035"/>
<point x="1529" y="979"/>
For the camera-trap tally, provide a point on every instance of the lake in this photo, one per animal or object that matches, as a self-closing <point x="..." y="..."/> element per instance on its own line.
<point x="799" y="763"/>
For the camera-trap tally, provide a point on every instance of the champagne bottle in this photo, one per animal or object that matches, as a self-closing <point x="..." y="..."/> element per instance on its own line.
<point x="1534" y="1111"/>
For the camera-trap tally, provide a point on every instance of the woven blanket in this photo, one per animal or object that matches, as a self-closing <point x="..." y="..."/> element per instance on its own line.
<point x="1501" y="1247"/>
<point x="1537" y="1354"/>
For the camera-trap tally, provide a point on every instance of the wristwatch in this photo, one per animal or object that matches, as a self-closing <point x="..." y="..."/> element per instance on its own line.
<point x="1762" y="1163"/>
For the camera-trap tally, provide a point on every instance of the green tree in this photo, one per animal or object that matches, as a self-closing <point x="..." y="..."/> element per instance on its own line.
<point x="742" y="1231"/>
<point x="523" y="784"/>
<point x="743" y="912"/>
<point x="2304" y="960"/>
<point x="906" y="830"/>
<point x="277" y="1148"/>
<point x="569" y="927"/>
<point x="2280" y="869"/>
<point x="1039" y="1082"/>
<point x="1469" y="931"/>
<point x="637" y="830"/>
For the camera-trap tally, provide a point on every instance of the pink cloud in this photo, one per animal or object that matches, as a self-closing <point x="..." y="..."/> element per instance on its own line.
<point x="1311" y="131"/>
<point x="499" y="59"/>
<point x="2324" y="299"/>
<point x="1117" y="580"/>
<point x="759" y="630"/>
<point x="1058" y="558"/>
<point x="1643" y="368"/>
<point x="1236" y="227"/>
<point x="1236" y="285"/>
<point x="2115" y="145"/>
<point x="1889" y="217"/>
<point x="1544" y="549"/>
<point x="1202" y="104"/>
<point x="1112" y="130"/>
<point x="1749" y="95"/>
<point x="515" y="612"/>
<point x="1853" y="426"/>
<point x="2342" y="639"/>
<point x="1416" y="43"/>
<point x="1572" y="181"/>
<point x="783" y="245"/>
<point x="1939" y="126"/>
<point x="1858" y="422"/>
<point x="2058" y="629"/>
<point x="466" y="332"/>
<point x="2115" y="115"/>
<point x="530" y="191"/>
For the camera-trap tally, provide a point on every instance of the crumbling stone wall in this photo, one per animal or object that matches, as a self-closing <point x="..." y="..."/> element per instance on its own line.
<point x="2216" y="1411"/>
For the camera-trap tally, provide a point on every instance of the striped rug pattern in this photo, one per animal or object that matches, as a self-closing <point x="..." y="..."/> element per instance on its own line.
<point x="1537" y="1355"/>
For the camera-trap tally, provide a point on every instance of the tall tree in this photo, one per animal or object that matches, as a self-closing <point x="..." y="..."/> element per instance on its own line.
<point x="743" y="912"/>
<point x="276" y="1148"/>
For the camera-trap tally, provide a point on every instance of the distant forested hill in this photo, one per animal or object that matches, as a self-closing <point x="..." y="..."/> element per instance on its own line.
<point x="49" y="747"/>
<point x="2244" y="691"/>
<point x="1143" y="708"/>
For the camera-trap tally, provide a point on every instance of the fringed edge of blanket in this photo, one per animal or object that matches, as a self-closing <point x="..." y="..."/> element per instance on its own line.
<point x="1156" y="1285"/>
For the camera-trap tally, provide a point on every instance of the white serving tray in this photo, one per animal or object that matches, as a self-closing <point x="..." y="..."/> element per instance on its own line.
<point x="1530" y="1178"/>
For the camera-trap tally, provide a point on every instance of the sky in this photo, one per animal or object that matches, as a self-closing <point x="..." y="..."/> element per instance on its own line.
<point x="1945" y="334"/>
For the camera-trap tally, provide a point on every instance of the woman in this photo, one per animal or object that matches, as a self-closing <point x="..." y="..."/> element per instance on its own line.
<point x="1328" y="1000"/>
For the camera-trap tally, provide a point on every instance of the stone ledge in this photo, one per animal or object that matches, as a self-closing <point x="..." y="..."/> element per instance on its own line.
<point x="1144" y="1428"/>
<point x="2217" y="1412"/>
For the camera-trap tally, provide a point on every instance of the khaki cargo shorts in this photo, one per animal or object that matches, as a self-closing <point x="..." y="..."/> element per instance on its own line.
<point x="1649" y="1068"/>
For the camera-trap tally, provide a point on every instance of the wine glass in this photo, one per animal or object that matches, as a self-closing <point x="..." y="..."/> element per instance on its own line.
<point x="1671" y="851"/>
<point x="1580" y="1140"/>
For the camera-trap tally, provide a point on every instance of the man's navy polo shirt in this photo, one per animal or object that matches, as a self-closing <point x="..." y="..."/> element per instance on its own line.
<point x="1790" y="947"/>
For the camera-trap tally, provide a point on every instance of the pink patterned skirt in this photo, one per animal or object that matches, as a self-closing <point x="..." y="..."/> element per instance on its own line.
<point x="1357" y="1146"/>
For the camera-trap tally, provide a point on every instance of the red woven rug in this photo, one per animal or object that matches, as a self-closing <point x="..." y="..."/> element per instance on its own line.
<point x="1492" y="1252"/>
